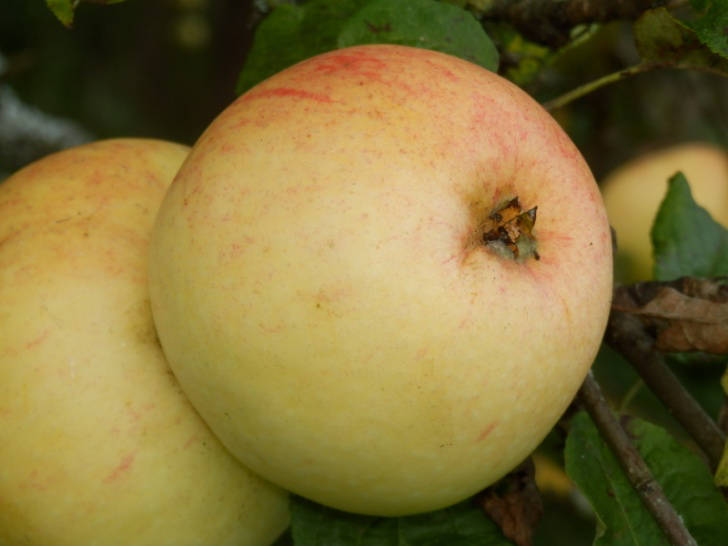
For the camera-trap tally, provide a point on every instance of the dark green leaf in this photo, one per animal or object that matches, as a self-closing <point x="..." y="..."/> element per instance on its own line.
<point x="686" y="480"/>
<point x="421" y="23"/>
<point x="685" y="239"/>
<point x="622" y="518"/>
<point x="684" y="477"/>
<point x="711" y="25"/>
<point x="664" y="40"/>
<point x="292" y="33"/>
<point x="464" y="524"/>
<point x="285" y="539"/>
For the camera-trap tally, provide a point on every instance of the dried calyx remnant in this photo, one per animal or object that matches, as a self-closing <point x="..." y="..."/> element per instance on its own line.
<point x="508" y="231"/>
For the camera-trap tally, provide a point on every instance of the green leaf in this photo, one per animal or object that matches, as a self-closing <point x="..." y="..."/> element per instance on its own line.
<point x="622" y="518"/>
<point x="686" y="480"/>
<point x="525" y="59"/>
<point x="421" y="23"/>
<point x="464" y="524"/>
<point x="721" y="474"/>
<point x="64" y="10"/>
<point x="285" y="539"/>
<point x="711" y="24"/>
<point x="684" y="477"/>
<point x="664" y="40"/>
<point x="292" y="33"/>
<point x="685" y="239"/>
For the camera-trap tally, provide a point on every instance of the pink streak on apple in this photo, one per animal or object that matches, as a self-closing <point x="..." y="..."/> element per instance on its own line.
<point x="288" y="93"/>
<point x="38" y="340"/>
<point x="359" y="63"/>
<point x="487" y="430"/>
<point x="123" y="467"/>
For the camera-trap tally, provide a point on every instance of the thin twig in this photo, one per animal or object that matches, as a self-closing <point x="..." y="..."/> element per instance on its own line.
<point x="630" y="395"/>
<point x="626" y="334"/>
<point x="591" y="86"/>
<point x="634" y="466"/>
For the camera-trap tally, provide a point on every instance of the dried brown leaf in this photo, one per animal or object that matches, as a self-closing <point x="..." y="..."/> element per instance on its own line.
<point x="687" y="315"/>
<point x="515" y="504"/>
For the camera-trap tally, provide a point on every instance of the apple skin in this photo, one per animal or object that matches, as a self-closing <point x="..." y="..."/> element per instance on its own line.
<point x="321" y="290"/>
<point x="633" y="193"/>
<point x="99" y="445"/>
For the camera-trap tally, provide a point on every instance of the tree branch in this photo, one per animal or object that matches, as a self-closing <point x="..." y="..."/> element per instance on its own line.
<point x="649" y="490"/>
<point x="550" y="22"/>
<point x="626" y="334"/>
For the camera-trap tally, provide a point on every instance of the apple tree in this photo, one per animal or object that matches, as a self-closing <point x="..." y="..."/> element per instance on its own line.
<point x="640" y="456"/>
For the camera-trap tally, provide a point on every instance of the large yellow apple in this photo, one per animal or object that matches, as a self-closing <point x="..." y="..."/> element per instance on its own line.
<point x="323" y="288"/>
<point x="633" y="193"/>
<point x="98" y="445"/>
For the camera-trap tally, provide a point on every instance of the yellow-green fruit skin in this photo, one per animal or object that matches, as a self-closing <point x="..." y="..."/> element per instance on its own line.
<point x="322" y="292"/>
<point x="633" y="193"/>
<point x="99" y="446"/>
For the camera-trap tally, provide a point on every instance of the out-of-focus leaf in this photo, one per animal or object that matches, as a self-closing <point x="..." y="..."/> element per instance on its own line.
<point x="683" y="476"/>
<point x="464" y="524"/>
<point x="64" y="10"/>
<point x="711" y="24"/>
<point x="721" y="474"/>
<point x="421" y="23"/>
<point x="662" y="39"/>
<point x="285" y="539"/>
<point x="687" y="242"/>
<point x="521" y="60"/>
<point x="292" y="33"/>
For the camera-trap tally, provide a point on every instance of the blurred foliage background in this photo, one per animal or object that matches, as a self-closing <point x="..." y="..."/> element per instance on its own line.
<point x="156" y="69"/>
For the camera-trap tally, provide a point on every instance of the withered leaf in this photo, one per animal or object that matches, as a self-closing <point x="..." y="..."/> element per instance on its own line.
<point x="687" y="315"/>
<point x="515" y="504"/>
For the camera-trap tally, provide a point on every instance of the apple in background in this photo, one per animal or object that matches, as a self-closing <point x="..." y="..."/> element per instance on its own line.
<point x="633" y="193"/>
<point x="334" y="277"/>
<point x="99" y="445"/>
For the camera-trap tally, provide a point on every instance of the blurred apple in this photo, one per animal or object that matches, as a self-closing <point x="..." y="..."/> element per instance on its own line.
<point x="634" y="191"/>
<point x="99" y="445"/>
<point x="346" y="277"/>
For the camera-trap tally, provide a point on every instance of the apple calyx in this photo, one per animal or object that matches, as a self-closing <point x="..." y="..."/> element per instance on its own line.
<point x="508" y="230"/>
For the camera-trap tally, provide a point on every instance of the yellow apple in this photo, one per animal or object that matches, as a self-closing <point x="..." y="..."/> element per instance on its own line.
<point x="633" y="193"/>
<point x="99" y="445"/>
<point x="324" y="291"/>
